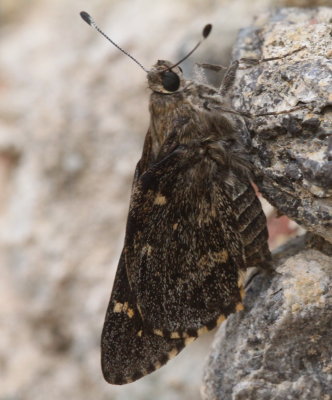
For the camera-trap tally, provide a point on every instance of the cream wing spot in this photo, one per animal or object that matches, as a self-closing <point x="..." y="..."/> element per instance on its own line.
<point x="157" y="365"/>
<point x="130" y="312"/>
<point x="158" y="332"/>
<point x="189" y="340"/>
<point x="202" y="330"/>
<point x="220" y="319"/>
<point x="172" y="354"/>
<point x="118" y="307"/>
<point x="160" y="200"/>
<point x="123" y="307"/>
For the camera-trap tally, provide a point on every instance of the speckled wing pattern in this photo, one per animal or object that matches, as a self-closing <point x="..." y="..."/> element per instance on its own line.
<point x="181" y="257"/>
<point x="194" y="225"/>
<point x="179" y="271"/>
<point x="128" y="351"/>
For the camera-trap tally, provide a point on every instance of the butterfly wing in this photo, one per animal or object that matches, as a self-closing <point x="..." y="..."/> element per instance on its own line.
<point x="183" y="252"/>
<point x="128" y="352"/>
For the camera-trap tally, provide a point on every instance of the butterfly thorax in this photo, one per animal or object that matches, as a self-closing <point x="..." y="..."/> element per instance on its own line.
<point x="183" y="111"/>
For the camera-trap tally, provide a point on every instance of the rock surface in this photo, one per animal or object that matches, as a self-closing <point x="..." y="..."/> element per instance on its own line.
<point x="292" y="150"/>
<point x="279" y="347"/>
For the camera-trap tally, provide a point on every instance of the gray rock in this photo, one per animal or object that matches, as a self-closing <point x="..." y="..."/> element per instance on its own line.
<point x="292" y="150"/>
<point x="280" y="345"/>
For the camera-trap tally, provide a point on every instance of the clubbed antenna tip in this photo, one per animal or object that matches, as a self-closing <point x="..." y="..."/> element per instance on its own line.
<point x="206" y="31"/>
<point x="86" y="17"/>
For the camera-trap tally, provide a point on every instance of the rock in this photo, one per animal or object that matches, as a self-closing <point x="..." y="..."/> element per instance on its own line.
<point x="280" y="345"/>
<point x="292" y="150"/>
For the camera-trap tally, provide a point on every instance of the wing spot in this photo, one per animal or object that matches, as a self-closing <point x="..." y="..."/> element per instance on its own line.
<point x="157" y="365"/>
<point x="130" y="312"/>
<point x="175" y="335"/>
<point x="175" y="226"/>
<point x="239" y="307"/>
<point x="172" y="354"/>
<point x="202" y="330"/>
<point x="140" y="333"/>
<point x="220" y="319"/>
<point x="160" y="200"/>
<point x="118" y="307"/>
<point x="189" y="340"/>
<point x="158" y="332"/>
<point x="123" y="307"/>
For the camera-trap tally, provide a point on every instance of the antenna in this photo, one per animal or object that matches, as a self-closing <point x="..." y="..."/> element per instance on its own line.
<point x="88" y="19"/>
<point x="205" y="33"/>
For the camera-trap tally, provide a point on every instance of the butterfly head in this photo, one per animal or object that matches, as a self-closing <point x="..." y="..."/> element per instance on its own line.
<point x="164" y="79"/>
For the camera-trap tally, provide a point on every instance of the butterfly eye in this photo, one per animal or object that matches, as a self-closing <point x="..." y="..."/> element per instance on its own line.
<point x="170" y="81"/>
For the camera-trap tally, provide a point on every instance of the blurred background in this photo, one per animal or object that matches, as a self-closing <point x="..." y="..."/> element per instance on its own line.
<point x="73" y="115"/>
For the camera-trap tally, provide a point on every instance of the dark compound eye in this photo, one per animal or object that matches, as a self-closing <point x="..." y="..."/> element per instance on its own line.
<point x="170" y="81"/>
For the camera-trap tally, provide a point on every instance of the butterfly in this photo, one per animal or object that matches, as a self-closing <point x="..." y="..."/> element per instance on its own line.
<point x="194" y="226"/>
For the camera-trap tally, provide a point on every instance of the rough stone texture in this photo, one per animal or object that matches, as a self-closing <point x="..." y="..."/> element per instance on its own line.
<point x="280" y="346"/>
<point x="292" y="151"/>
